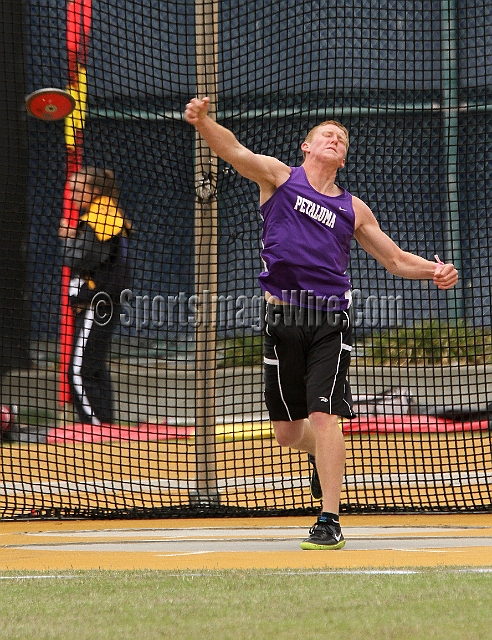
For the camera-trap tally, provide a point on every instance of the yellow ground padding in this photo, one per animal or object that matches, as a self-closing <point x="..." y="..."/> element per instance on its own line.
<point x="243" y="431"/>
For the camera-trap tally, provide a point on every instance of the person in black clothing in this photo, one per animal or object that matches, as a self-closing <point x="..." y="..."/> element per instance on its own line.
<point x="96" y="251"/>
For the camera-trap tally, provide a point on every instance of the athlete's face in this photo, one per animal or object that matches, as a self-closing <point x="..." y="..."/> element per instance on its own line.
<point x="82" y="192"/>
<point x="329" y="142"/>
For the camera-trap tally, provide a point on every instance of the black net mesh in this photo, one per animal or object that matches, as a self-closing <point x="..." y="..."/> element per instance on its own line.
<point x="189" y="433"/>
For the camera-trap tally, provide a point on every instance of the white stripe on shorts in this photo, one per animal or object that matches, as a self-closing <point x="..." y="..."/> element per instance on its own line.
<point x="275" y="362"/>
<point x="342" y="347"/>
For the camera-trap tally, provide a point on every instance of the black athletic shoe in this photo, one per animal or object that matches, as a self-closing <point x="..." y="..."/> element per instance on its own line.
<point x="316" y="491"/>
<point x="324" y="535"/>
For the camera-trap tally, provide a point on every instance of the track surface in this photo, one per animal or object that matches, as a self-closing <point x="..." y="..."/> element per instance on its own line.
<point x="383" y="542"/>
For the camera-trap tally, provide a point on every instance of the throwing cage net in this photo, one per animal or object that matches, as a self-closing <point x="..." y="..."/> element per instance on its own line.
<point x="189" y="433"/>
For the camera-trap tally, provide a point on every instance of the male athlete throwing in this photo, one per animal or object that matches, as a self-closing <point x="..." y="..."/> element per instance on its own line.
<point x="308" y="223"/>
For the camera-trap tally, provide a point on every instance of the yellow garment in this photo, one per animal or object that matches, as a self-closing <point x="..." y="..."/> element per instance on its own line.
<point x="104" y="217"/>
<point x="75" y="121"/>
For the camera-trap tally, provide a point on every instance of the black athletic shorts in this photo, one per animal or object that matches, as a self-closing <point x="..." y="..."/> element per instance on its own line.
<point x="307" y="355"/>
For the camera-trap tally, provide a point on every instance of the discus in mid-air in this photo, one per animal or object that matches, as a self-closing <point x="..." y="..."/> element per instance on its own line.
<point x="50" y="104"/>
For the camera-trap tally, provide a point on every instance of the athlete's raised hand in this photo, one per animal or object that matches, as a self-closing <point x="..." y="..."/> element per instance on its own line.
<point x="196" y="110"/>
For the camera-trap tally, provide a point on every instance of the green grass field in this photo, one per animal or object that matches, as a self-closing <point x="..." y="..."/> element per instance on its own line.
<point x="259" y="605"/>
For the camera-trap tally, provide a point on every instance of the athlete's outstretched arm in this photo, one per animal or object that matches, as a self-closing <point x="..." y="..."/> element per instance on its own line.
<point x="267" y="171"/>
<point x="398" y="262"/>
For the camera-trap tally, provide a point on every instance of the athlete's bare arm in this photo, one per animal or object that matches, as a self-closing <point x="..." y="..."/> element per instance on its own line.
<point x="267" y="171"/>
<point x="372" y="239"/>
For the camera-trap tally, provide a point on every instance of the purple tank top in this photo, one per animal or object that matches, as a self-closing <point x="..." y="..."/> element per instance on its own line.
<point x="306" y="244"/>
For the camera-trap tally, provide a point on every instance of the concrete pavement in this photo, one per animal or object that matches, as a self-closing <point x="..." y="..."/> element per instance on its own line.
<point x="460" y="540"/>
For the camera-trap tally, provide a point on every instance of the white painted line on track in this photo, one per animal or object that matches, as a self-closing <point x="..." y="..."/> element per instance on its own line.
<point x="176" y="555"/>
<point x="270" y="482"/>
<point x="428" y="550"/>
<point x="273" y="532"/>
<point x="38" y="577"/>
<point x="291" y="573"/>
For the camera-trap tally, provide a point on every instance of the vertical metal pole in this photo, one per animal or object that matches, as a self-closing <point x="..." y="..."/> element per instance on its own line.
<point x="450" y="123"/>
<point x="206" y="493"/>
